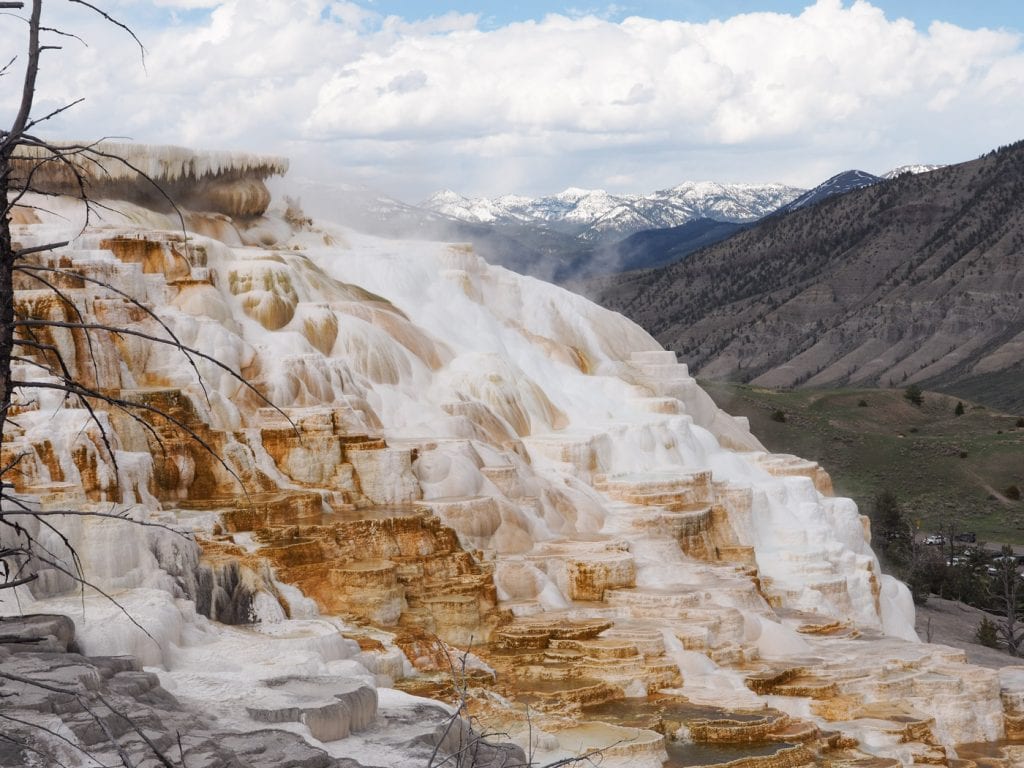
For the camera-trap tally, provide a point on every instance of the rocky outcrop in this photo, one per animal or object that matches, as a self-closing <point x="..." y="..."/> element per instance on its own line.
<point x="61" y="708"/>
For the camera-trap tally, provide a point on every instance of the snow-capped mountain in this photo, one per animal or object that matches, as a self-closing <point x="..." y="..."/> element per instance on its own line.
<point x="913" y="168"/>
<point x="592" y="214"/>
<point x="738" y="203"/>
<point x="477" y="210"/>
<point x="840" y="184"/>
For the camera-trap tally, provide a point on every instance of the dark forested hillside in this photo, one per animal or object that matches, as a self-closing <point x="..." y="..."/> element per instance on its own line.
<point x="657" y="247"/>
<point x="917" y="279"/>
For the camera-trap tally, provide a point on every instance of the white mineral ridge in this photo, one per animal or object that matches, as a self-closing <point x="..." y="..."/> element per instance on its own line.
<point x="112" y="160"/>
<point x="417" y="333"/>
<point x="501" y="339"/>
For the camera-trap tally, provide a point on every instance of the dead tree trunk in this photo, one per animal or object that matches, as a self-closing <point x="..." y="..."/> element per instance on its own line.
<point x="11" y="140"/>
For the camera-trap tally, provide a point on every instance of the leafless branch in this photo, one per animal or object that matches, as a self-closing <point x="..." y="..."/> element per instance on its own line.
<point x="22" y="252"/>
<point x="127" y="405"/>
<point x="30" y="748"/>
<point x="161" y="758"/>
<point x="62" y="33"/>
<point x="55" y="734"/>
<point x="55" y="112"/>
<point x="172" y="339"/>
<point x="116" y="23"/>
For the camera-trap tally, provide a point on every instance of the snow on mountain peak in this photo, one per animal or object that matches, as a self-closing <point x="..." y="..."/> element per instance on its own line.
<point x="445" y="196"/>
<point x="451" y="203"/>
<point x="597" y="212"/>
<point x="579" y="193"/>
<point x="914" y="168"/>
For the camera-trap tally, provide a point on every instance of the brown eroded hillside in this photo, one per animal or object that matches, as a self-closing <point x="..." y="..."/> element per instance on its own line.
<point x="919" y="279"/>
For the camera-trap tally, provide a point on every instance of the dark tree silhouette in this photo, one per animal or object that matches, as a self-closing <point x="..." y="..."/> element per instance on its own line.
<point x="1007" y="594"/>
<point x="914" y="394"/>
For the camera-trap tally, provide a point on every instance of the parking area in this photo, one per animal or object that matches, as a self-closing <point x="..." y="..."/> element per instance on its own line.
<point x="964" y="549"/>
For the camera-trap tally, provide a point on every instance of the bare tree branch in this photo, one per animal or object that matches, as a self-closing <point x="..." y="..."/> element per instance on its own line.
<point x="22" y="252"/>
<point x="127" y="405"/>
<point x="116" y="23"/>
<point x="31" y="72"/>
<point x="35" y="541"/>
<point x="173" y="340"/>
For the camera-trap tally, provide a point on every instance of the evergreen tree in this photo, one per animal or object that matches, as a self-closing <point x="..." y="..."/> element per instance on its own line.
<point x="893" y="534"/>
<point x="1007" y="594"/>
<point x="914" y="394"/>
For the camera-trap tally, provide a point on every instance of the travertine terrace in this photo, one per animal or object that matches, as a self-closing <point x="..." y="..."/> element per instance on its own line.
<point x="460" y="458"/>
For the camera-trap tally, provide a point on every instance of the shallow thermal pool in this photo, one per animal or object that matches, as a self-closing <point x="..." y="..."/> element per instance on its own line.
<point x="682" y="753"/>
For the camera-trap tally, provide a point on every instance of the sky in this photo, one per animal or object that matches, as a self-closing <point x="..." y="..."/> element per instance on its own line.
<point x="409" y="97"/>
<point x="995" y="14"/>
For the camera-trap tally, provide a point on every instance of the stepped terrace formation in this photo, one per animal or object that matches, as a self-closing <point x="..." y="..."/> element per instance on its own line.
<point x="474" y="485"/>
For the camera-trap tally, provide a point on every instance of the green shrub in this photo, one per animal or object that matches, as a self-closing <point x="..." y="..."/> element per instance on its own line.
<point x="914" y="394"/>
<point x="987" y="633"/>
<point x="1012" y="492"/>
<point x="864" y="404"/>
<point x="779" y="416"/>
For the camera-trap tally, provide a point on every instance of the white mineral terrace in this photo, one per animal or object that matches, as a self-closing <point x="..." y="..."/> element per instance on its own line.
<point x="117" y="161"/>
<point x="617" y="534"/>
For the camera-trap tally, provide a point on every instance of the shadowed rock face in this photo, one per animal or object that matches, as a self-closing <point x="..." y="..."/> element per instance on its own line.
<point x="96" y="700"/>
<point x="460" y="457"/>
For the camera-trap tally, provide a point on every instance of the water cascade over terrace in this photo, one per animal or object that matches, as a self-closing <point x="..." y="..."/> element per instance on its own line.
<point x="460" y="459"/>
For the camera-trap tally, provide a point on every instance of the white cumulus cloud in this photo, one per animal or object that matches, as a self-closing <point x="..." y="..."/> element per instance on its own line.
<point x="535" y="106"/>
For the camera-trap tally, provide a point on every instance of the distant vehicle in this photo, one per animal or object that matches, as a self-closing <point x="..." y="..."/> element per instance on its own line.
<point x="967" y="538"/>
<point x="935" y="538"/>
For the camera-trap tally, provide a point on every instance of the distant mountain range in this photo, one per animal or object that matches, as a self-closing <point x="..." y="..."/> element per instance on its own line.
<point x="577" y="233"/>
<point x="914" y="279"/>
<point x="656" y="247"/>
<point x="593" y="215"/>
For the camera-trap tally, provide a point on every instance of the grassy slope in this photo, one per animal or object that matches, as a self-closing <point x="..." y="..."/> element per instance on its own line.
<point x="892" y="444"/>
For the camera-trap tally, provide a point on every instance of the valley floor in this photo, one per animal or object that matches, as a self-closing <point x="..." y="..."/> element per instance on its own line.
<point x="946" y="470"/>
